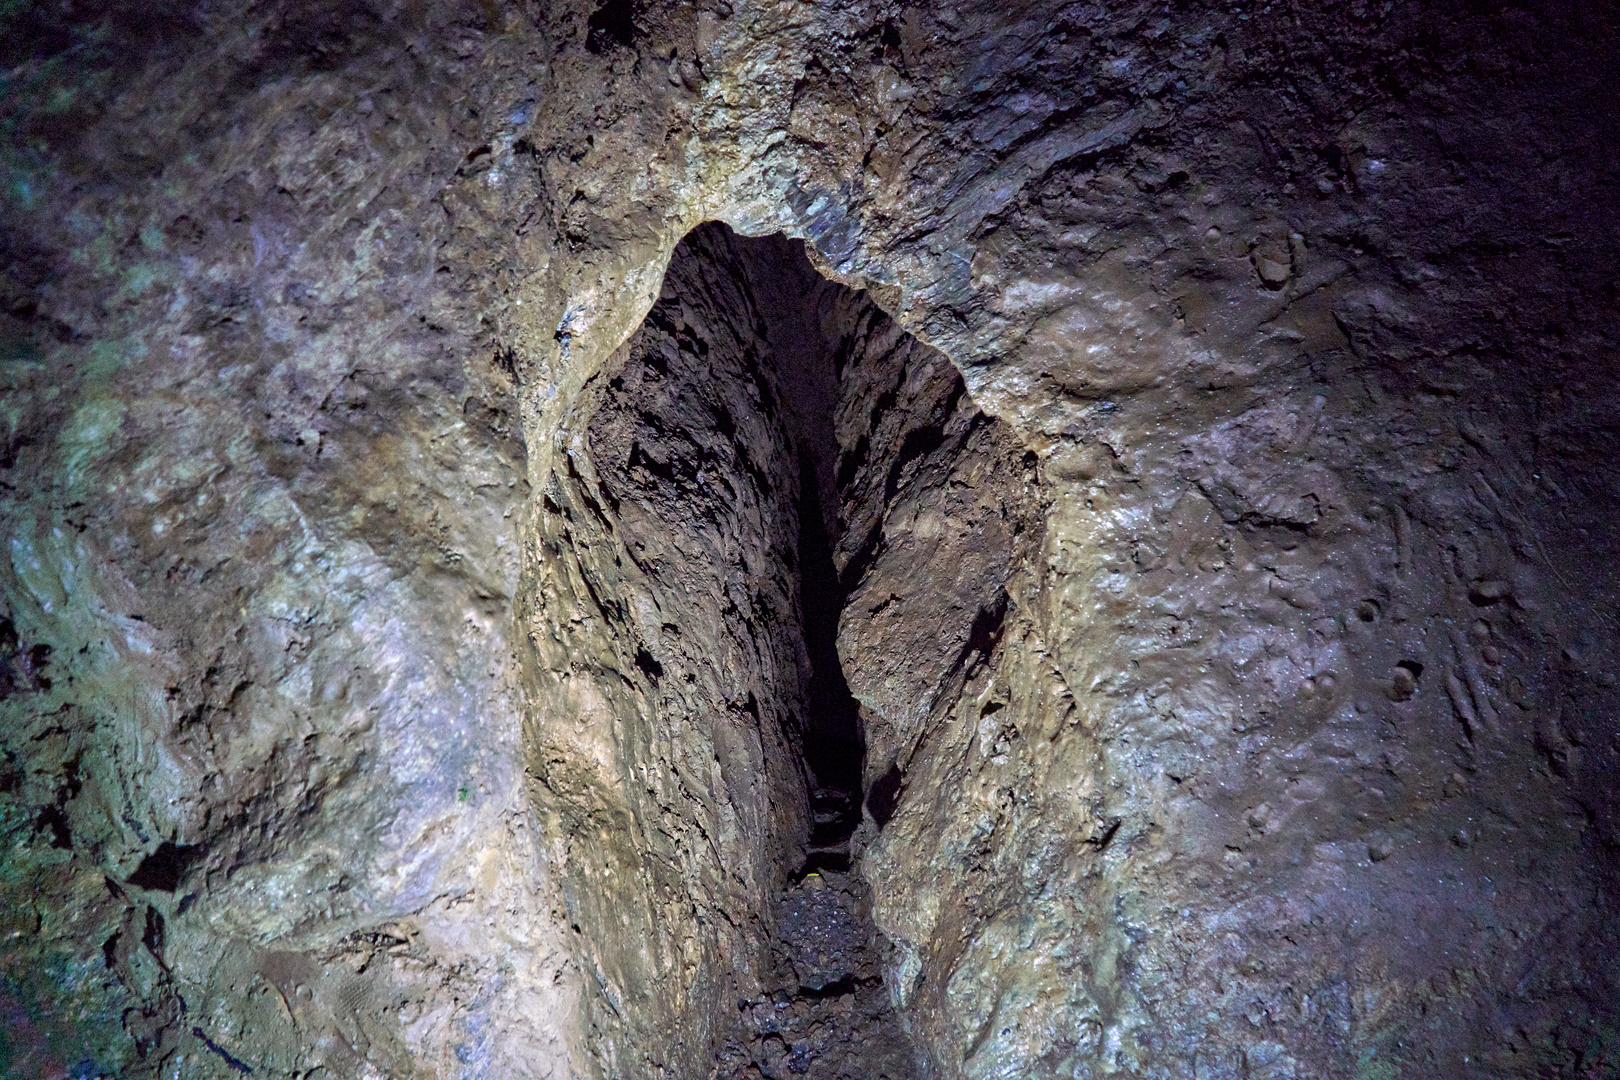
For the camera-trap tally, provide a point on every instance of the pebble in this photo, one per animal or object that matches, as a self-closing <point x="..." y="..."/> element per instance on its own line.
<point x="1403" y="682"/>
<point x="1272" y="266"/>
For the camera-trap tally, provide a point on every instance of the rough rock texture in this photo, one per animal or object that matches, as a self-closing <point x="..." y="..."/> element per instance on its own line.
<point x="1266" y="729"/>
<point x="668" y="669"/>
<point x="262" y="487"/>
<point x="832" y="1017"/>
<point x="675" y="704"/>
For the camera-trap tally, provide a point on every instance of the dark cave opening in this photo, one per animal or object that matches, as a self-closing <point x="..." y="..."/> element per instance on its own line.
<point x="730" y="389"/>
<point x="833" y="1016"/>
<point x="832" y="742"/>
<point x="721" y="468"/>
<point x="807" y="322"/>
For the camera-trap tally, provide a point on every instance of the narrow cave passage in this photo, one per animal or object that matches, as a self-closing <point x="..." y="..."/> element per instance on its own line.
<point x="832" y="740"/>
<point x="715" y="455"/>
<point x="829" y="1014"/>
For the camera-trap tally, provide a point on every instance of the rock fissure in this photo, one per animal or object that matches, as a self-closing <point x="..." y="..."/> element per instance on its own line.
<point x="709" y="450"/>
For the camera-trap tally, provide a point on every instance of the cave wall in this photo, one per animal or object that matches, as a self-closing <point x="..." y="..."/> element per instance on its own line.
<point x="668" y="668"/>
<point x="261" y="494"/>
<point x="1289" y="751"/>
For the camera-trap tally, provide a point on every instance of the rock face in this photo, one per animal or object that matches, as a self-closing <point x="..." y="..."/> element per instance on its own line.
<point x="417" y="642"/>
<point x="668" y="668"/>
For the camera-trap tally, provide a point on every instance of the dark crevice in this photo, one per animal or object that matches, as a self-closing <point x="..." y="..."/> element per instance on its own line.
<point x="718" y="437"/>
<point x="54" y="820"/>
<point x="833" y="860"/>
<point x="884" y="795"/>
<point x="649" y="666"/>
<point x="837" y="988"/>
<point x="983" y="636"/>
<point x="833" y="747"/>
<point x="235" y="1063"/>
<point x="152" y="936"/>
<point x="163" y="870"/>
<point x="832" y="1015"/>
<point x="613" y="23"/>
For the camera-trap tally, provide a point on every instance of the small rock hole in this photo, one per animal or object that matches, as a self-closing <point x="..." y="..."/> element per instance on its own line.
<point x="612" y="23"/>
<point x="53" y="819"/>
<point x="649" y="666"/>
<point x="884" y="796"/>
<point x="162" y="870"/>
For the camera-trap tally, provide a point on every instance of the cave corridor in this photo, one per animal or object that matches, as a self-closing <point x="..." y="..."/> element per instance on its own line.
<point x="741" y="410"/>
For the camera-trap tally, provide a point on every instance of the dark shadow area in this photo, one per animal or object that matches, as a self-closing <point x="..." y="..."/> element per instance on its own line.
<point x="715" y="464"/>
<point x="721" y="428"/>
<point x="833" y="747"/>
<point x="884" y="795"/>
<point x="163" y="870"/>
<point x="833" y="1016"/>
<point x="612" y="23"/>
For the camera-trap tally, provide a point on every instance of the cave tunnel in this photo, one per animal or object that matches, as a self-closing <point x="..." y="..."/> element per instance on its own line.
<point x="740" y="454"/>
<point x="413" y="663"/>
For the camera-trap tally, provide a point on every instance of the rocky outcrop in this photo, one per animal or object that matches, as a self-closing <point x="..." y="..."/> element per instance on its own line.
<point x="1229" y="627"/>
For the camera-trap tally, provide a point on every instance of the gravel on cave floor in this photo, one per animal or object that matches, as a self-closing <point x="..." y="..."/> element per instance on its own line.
<point x="832" y="1017"/>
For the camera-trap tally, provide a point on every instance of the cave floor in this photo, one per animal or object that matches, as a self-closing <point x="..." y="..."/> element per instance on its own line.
<point x="832" y="1017"/>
